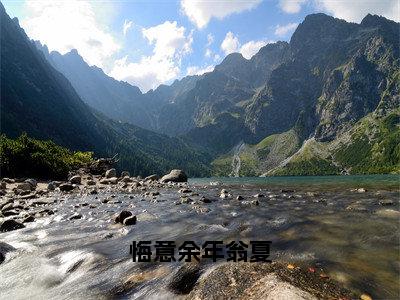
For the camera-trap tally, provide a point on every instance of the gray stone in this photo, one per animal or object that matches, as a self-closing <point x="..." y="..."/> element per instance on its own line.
<point x="32" y="182"/>
<point x="129" y="221"/>
<point x="9" y="225"/>
<point x="75" y="179"/>
<point x="111" y="173"/>
<point x="66" y="187"/>
<point x="122" y="216"/>
<point x="175" y="176"/>
<point x="24" y="186"/>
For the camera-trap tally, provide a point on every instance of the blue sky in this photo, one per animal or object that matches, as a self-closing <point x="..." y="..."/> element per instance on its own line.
<point x="148" y="43"/>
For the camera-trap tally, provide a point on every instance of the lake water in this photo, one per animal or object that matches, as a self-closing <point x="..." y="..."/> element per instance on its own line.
<point x="324" y="222"/>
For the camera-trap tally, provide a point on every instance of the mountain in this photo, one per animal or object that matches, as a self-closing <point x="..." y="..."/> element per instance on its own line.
<point x="37" y="99"/>
<point x="332" y="107"/>
<point x="288" y="98"/>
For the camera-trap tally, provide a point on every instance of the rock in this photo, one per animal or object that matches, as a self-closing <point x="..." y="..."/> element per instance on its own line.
<point x="287" y="191"/>
<point x="126" y="179"/>
<point x="386" y="202"/>
<point x="356" y="207"/>
<point x="258" y="196"/>
<point x="184" y="279"/>
<point x="28" y="219"/>
<point x="93" y="192"/>
<point x="186" y="200"/>
<point x="91" y="182"/>
<point x="122" y="216"/>
<point x="224" y="195"/>
<point x="113" y="180"/>
<point x="184" y="191"/>
<point x="205" y="200"/>
<point x="388" y="213"/>
<point x="24" y="186"/>
<point x="8" y="180"/>
<point x="75" y="179"/>
<point x="104" y="181"/>
<point x="239" y="198"/>
<point x="111" y="173"/>
<point x="255" y="202"/>
<point x="32" y="182"/>
<point x="75" y="216"/>
<point x="66" y="187"/>
<point x="10" y="212"/>
<point x="129" y="221"/>
<point x="155" y="193"/>
<point x="125" y="174"/>
<point x="153" y="177"/>
<point x="9" y="225"/>
<point x="175" y="176"/>
<point x="361" y="190"/>
<point x="51" y="186"/>
<point x="3" y="185"/>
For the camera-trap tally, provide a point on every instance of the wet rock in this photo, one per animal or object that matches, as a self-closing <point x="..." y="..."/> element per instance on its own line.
<point x="153" y="177"/>
<point x="155" y="193"/>
<point x="32" y="182"/>
<point x="122" y="216"/>
<point x="184" y="191"/>
<point x="104" y="181"/>
<point x="51" y="186"/>
<point x="205" y="200"/>
<point x="129" y="221"/>
<point x="111" y="173"/>
<point x="24" y="186"/>
<point x="113" y="180"/>
<point x="239" y="198"/>
<point x="10" y="213"/>
<point x="126" y="179"/>
<point x="388" y="213"/>
<point x="66" y="187"/>
<point x="28" y="219"/>
<point x="386" y="202"/>
<point x="287" y="191"/>
<point x="125" y="174"/>
<point x="91" y="182"/>
<point x="357" y="207"/>
<point x="186" y="200"/>
<point x="258" y="196"/>
<point x="8" y="180"/>
<point x="175" y="176"/>
<point x="9" y="225"/>
<point x="184" y="279"/>
<point x="75" y="179"/>
<point x="255" y="202"/>
<point x="75" y="216"/>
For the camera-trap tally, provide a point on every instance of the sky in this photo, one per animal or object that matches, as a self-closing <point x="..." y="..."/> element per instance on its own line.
<point x="148" y="43"/>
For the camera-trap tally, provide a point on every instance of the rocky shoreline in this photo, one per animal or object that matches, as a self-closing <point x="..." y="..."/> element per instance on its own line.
<point x="27" y="200"/>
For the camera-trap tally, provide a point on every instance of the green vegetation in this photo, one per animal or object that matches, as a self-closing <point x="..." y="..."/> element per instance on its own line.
<point x="27" y="157"/>
<point x="313" y="166"/>
<point x="380" y="154"/>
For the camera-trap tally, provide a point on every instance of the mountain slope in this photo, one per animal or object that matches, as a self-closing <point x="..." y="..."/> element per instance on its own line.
<point x="37" y="99"/>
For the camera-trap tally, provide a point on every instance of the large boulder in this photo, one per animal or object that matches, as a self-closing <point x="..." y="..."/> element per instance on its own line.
<point x="175" y="176"/>
<point x="32" y="182"/>
<point x="111" y="173"/>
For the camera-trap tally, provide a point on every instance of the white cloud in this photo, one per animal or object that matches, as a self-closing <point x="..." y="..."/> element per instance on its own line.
<point x="283" y="30"/>
<point x="352" y="11"/>
<point x="291" y="6"/>
<point x="251" y="48"/>
<point x="217" y="58"/>
<point x="126" y="26"/>
<point x="65" y="25"/>
<point x="195" y="70"/>
<point x="231" y="44"/>
<point x="170" y="46"/>
<point x="208" y="53"/>
<point x="356" y="10"/>
<point x="200" y="12"/>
